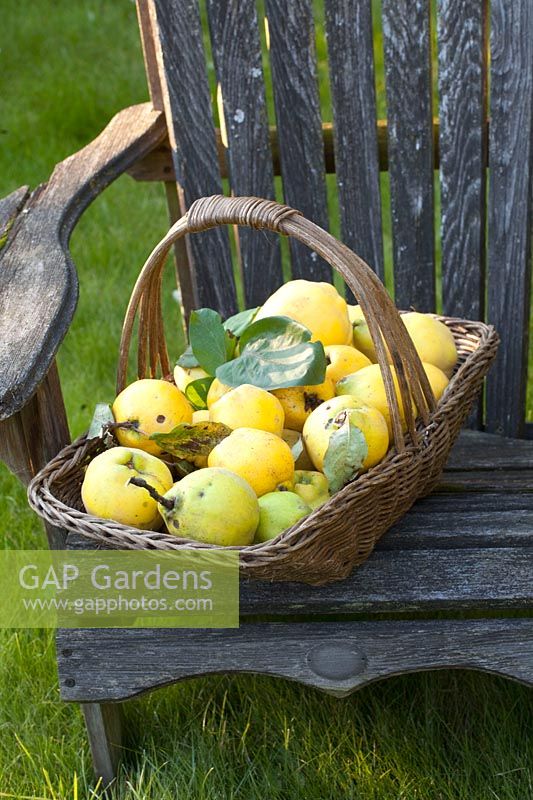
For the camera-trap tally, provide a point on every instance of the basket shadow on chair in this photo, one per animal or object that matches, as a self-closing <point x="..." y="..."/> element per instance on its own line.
<point x="467" y="547"/>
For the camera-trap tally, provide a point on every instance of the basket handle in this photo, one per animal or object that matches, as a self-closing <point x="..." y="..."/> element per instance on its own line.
<point x="383" y="319"/>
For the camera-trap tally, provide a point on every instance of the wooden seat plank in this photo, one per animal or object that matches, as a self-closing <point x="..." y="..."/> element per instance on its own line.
<point x="238" y="64"/>
<point x="441" y="521"/>
<point x="407" y="580"/>
<point x="336" y="657"/>
<point x="478" y="450"/>
<point x="351" y="61"/>
<point x="408" y="84"/>
<point x="297" y="105"/>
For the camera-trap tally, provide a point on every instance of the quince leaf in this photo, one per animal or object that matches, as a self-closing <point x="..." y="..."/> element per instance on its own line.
<point x="211" y="344"/>
<point x="238" y="323"/>
<point x="347" y="449"/>
<point x="102" y="417"/>
<point x="188" y="440"/>
<point x="297" y="449"/>
<point x="196" y="393"/>
<point x="275" y="352"/>
<point x="187" y="360"/>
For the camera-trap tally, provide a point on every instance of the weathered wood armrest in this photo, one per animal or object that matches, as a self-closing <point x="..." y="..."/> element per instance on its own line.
<point x="38" y="281"/>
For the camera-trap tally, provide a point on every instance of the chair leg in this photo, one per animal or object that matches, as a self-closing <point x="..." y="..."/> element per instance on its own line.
<point x="104" y="729"/>
<point x="34" y="435"/>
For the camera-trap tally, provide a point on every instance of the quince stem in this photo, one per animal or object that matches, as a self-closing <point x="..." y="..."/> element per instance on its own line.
<point x="154" y="494"/>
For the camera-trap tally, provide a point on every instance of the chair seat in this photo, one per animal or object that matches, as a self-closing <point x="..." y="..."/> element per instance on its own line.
<point x="467" y="547"/>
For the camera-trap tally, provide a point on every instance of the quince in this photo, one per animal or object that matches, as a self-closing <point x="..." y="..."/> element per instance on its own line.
<point x="183" y="376"/>
<point x="432" y="339"/>
<point x="214" y="506"/>
<point x="367" y="387"/>
<point x="362" y="340"/>
<point x="216" y="391"/>
<point x="299" y="401"/>
<point x="312" y="487"/>
<point x="343" y="360"/>
<point x="277" y="512"/>
<point x="249" y="406"/>
<point x="331" y="415"/>
<point x="316" y="305"/>
<point x="107" y="492"/>
<point x="261" y="458"/>
<point x="151" y="406"/>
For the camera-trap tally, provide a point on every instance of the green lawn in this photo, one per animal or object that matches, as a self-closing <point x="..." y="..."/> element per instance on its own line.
<point x="66" y="66"/>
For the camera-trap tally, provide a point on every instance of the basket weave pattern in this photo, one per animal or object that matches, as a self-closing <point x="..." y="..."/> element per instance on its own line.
<point x="326" y="545"/>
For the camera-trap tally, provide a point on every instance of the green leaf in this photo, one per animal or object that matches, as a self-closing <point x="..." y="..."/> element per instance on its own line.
<point x="102" y="416"/>
<point x="186" y="441"/>
<point x="196" y="392"/>
<point x="238" y="323"/>
<point x="347" y="449"/>
<point x="276" y="352"/>
<point x="211" y="344"/>
<point x="297" y="448"/>
<point x="187" y="360"/>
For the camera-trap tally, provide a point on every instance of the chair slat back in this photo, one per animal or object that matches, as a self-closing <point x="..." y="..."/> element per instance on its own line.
<point x="462" y="112"/>
<point x="238" y="65"/>
<point x="296" y="99"/>
<point x="351" y="60"/>
<point x="409" y="112"/>
<point x="188" y="107"/>
<point x="509" y="211"/>
<point x="474" y="279"/>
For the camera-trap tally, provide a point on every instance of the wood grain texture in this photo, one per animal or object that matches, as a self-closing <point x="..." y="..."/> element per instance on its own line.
<point x="297" y="104"/>
<point x="461" y="47"/>
<point x="188" y="108"/>
<point x="509" y="244"/>
<point x="336" y="657"/>
<point x="34" y="435"/>
<point x="484" y="481"/>
<point x="237" y="56"/>
<point x="10" y="207"/>
<point x="38" y="282"/>
<point x="408" y="580"/>
<point x="476" y="519"/>
<point x="157" y="165"/>
<point x="408" y="84"/>
<point x="153" y="79"/>
<point x="104" y="730"/>
<point x="475" y="450"/>
<point x="184" y="276"/>
<point x="351" y="63"/>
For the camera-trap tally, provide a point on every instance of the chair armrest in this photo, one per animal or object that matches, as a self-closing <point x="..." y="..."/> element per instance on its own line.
<point x="38" y="281"/>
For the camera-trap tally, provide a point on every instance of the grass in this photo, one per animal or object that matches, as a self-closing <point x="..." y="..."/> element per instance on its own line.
<point x="66" y="68"/>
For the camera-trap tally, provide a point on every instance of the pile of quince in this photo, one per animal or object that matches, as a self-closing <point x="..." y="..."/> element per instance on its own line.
<point x="267" y="415"/>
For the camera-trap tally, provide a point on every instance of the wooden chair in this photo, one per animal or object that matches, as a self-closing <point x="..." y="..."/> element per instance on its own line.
<point x="466" y="548"/>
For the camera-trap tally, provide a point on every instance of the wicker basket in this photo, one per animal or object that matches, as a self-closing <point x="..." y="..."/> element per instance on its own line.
<point x="326" y="545"/>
